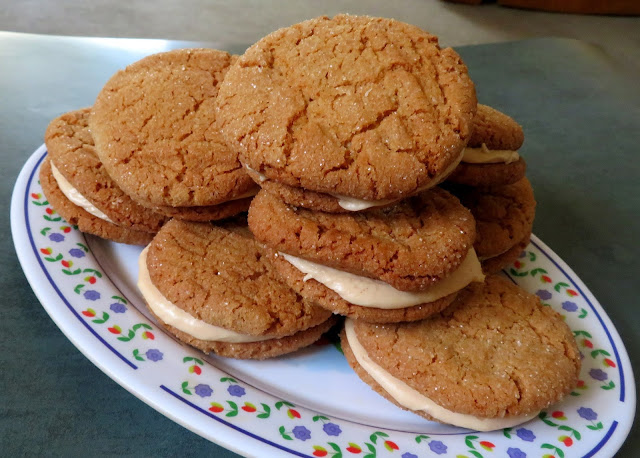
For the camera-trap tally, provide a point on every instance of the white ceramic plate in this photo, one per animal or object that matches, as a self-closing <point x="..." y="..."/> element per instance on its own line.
<point x="310" y="403"/>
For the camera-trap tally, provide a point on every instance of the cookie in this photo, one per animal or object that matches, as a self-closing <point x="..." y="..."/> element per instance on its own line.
<point x="210" y="285"/>
<point x="504" y="216"/>
<point x="410" y="245"/>
<point x="491" y="157"/>
<point x="497" y="263"/>
<point x="72" y="152"/>
<point x="402" y="262"/>
<point x="85" y="221"/>
<point x="155" y="131"/>
<point x="363" y="107"/>
<point x="491" y="360"/>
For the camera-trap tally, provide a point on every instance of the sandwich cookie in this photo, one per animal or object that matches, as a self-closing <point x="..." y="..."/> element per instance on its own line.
<point x="491" y="157"/>
<point x="492" y="360"/>
<point x="211" y="287"/>
<point x="156" y="133"/>
<point x="354" y="107"/>
<point x="504" y="218"/>
<point x="397" y="263"/>
<point x="80" y="190"/>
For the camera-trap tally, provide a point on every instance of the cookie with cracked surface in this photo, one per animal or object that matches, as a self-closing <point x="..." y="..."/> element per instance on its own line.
<point x="504" y="215"/>
<point x="85" y="221"/>
<point x="491" y="360"/>
<point x="491" y="157"/>
<point x="364" y="107"/>
<point x="155" y="131"/>
<point x="212" y="284"/>
<point x="410" y="245"/>
<point x="72" y="152"/>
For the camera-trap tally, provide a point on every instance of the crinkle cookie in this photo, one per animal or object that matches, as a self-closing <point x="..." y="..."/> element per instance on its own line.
<point x="155" y="130"/>
<point x="81" y="176"/>
<point x="504" y="218"/>
<point x="402" y="262"/>
<point x="211" y="287"/>
<point x="353" y="106"/>
<point x="491" y="360"/>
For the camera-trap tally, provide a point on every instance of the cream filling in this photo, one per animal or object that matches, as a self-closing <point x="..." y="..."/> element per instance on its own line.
<point x="368" y="292"/>
<point x="484" y="155"/>
<point x="353" y="204"/>
<point x="180" y="319"/>
<point x="411" y="399"/>
<point x="74" y="195"/>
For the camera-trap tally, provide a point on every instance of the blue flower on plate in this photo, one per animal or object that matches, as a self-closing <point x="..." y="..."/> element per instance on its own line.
<point x="76" y="253"/>
<point x="587" y="413"/>
<point x="301" y="433"/>
<point x="203" y="390"/>
<point x="236" y="390"/>
<point x="516" y="453"/>
<point x="598" y="374"/>
<point x="525" y="434"/>
<point x="154" y="355"/>
<point x="55" y="237"/>
<point x="117" y="307"/>
<point x="522" y="254"/>
<point x="91" y="295"/>
<point x="569" y="306"/>
<point x="437" y="447"/>
<point x="331" y="429"/>
<point x="408" y="455"/>
<point x="543" y="294"/>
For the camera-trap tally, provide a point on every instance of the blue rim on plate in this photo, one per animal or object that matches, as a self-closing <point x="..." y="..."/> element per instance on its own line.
<point x="230" y="405"/>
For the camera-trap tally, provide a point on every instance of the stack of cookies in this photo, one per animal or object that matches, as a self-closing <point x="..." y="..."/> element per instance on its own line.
<point x="383" y="193"/>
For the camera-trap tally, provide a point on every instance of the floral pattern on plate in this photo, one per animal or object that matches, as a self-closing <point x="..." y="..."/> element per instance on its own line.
<point x="187" y="385"/>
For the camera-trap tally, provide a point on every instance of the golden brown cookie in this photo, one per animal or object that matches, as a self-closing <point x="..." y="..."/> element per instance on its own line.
<point x="72" y="151"/>
<point x="495" y="354"/>
<point x="216" y="275"/>
<point x="85" y="221"/>
<point x="410" y="245"/>
<point x="504" y="215"/>
<point x="496" y="131"/>
<point x="155" y="131"/>
<point x="497" y="263"/>
<point x="365" y="107"/>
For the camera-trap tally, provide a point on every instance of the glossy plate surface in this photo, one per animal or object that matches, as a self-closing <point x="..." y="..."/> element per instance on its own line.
<point x="310" y="403"/>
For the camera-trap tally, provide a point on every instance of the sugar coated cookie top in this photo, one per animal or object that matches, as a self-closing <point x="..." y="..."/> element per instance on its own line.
<point x="366" y="107"/>
<point x="495" y="351"/>
<point x="216" y="273"/>
<point x="155" y="130"/>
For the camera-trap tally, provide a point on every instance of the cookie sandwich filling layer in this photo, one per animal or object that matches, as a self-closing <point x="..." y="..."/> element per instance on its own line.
<point x="178" y="318"/>
<point x="484" y="155"/>
<point x="411" y="399"/>
<point x="75" y="197"/>
<point x="354" y="204"/>
<point x="369" y="292"/>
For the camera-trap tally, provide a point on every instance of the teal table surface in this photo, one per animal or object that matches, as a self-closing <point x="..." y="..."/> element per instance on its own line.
<point x="580" y="111"/>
